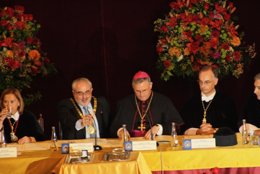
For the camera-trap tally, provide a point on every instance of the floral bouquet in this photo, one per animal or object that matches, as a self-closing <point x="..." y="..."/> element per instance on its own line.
<point x="197" y="33"/>
<point x="21" y="58"/>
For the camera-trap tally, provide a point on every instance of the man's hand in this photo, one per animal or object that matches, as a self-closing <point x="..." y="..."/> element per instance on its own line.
<point x="205" y="129"/>
<point x="257" y="132"/>
<point x="87" y="120"/>
<point x="154" y="130"/>
<point x="26" y="139"/>
<point x="121" y="134"/>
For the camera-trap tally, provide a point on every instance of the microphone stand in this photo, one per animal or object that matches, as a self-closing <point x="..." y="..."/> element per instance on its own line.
<point x="96" y="146"/>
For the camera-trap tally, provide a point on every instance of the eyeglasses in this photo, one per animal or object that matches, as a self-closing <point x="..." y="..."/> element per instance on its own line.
<point x="81" y="93"/>
<point x="207" y="82"/>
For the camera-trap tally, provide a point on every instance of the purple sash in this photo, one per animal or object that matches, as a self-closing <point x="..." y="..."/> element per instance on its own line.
<point x="137" y="133"/>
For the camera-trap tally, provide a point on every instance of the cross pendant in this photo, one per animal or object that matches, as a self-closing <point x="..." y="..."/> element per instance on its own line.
<point x="142" y="127"/>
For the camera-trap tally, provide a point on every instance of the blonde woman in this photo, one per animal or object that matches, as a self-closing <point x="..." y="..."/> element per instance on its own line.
<point x="18" y="125"/>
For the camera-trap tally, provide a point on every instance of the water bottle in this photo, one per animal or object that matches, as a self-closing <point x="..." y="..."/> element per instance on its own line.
<point x="54" y="138"/>
<point x="244" y="132"/>
<point x="174" y="135"/>
<point x="2" y="140"/>
<point x="53" y="134"/>
<point x="41" y="122"/>
<point x="125" y="136"/>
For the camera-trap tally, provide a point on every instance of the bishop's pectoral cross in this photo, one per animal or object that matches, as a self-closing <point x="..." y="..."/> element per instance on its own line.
<point x="142" y="126"/>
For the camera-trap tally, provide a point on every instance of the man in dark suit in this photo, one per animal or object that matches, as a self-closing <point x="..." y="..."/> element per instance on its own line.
<point x="252" y="109"/>
<point x="83" y="116"/>
<point x="146" y="113"/>
<point x="208" y="110"/>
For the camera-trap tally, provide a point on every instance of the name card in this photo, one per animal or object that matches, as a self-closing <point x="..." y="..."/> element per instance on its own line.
<point x="144" y="145"/>
<point x="75" y="147"/>
<point x="198" y="143"/>
<point x="7" y="152"/>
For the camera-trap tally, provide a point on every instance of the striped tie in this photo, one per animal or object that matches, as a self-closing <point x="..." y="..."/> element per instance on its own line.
<point x="85" y="109"/>
<point x="86" y="112"/>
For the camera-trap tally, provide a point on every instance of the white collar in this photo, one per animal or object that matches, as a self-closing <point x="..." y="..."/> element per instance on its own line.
<point x="15" y="116"/>
<point x="208" y="98"/>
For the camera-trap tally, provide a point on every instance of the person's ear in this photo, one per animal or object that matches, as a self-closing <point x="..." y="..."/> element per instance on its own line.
<point x="216" y="80"/>
<point x="151" y="85"/>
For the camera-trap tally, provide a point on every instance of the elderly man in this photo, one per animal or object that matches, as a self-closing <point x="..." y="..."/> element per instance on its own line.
<point x="145" y="113"/>
<point x="208" y="110"/>
<point x="83" y="116"/>
<point x="252" y="109"/>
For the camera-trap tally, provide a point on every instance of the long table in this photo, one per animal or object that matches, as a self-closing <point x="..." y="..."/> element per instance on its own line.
<point x="41" y="158"/>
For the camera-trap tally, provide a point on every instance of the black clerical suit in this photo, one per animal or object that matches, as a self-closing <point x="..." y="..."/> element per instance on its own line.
<point x="68" y="116"/>
<point x="252" y="111"/>
<point x="161" y="111"/>
<point x="27" y="125"/>
<point x="221" y="113"/>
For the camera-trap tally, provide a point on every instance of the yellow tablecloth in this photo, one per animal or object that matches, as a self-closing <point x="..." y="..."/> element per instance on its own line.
<point x="39" y="158"/>
<point x="135" y="165"/>
<point x="34" y="162"/>
<point x="174" y="158"/>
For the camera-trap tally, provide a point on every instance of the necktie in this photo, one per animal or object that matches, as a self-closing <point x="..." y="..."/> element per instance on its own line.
<point x="85" y="109"/>
<point x="86" y="112"/>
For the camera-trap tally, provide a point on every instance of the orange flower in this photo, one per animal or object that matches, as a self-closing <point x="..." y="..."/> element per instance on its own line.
<point x="235" y="41"/>
<point x="186" y="51"/>
<point x="34" y="55"/>
<point x="174" y="51"/>
<point x="203" y="28"/>
<point x="205" y="49"/>
<point x="9" y="53"/>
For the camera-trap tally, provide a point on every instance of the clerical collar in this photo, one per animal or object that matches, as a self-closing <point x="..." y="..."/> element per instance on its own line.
<point x="15" y="116"/>
<point x="208" y="98"/>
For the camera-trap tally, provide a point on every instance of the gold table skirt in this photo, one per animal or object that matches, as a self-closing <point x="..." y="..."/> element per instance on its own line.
<point x="40" y="158"/>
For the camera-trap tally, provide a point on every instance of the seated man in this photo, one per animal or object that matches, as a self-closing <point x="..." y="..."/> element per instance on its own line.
<point x="252" y="109"/>
<point x="208" y="110"/>
<point x="146" y="113"/>
<point x="83" y="116"/>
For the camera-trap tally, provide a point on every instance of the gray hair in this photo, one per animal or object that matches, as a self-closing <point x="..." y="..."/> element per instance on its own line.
<point x="208" y="67"/>
<point x="81" y="79"/>
<point x="141" y="80"/>
<point x="257" y="76"/>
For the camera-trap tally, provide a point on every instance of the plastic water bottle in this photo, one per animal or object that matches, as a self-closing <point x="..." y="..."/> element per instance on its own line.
<point x="41" y="122"/>
<point x="54" y="138"/>
<point x="125" y="136"/>
<point x="53" y="134"/>
<point x="244" y="133"/>
<point x="2" y="140"/>
<point x="174" y="135"/>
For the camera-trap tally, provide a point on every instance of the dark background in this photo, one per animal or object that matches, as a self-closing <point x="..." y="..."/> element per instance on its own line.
<point x="109" y="40"/>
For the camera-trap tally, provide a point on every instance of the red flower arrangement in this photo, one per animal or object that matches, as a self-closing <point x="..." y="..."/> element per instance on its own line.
<point x="21" y="58"/>
<point x="200" y="32"/>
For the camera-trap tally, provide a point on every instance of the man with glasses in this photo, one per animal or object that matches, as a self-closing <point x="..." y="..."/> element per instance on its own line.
<point x="208" y="110"/>
<point x="83" y="115"/>
<point x="146" y="113"/>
